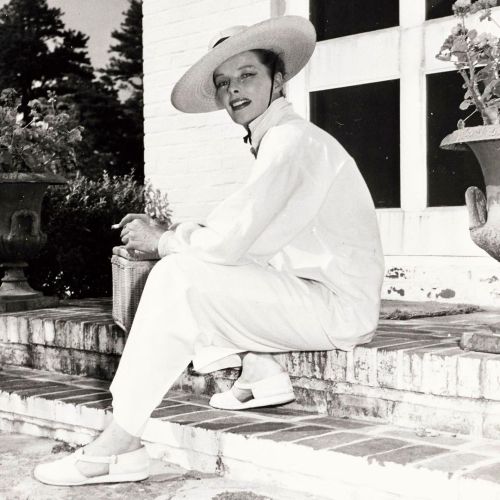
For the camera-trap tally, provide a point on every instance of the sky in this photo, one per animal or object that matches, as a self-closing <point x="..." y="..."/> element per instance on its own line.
<point x="95" y="18"/>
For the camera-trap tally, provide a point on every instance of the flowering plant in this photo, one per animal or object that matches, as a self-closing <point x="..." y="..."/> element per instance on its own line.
<point x="41" y="139"/>
<point x="477" y="59"/>
<point x="156" y="204"/>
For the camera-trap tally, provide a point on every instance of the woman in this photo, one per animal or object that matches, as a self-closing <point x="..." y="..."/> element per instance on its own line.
<point x="291" y="261"/>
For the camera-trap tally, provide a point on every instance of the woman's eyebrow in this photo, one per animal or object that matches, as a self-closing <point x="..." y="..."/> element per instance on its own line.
<point x="240" y="68"/>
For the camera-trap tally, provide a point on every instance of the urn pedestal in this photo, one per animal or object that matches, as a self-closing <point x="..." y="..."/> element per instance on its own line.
<point x="484" y="211"/>
<point x="21" y="238"/>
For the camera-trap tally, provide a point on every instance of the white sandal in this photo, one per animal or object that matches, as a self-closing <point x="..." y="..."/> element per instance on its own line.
<point x="131" y="466"/>
<point x="274" y="390"/>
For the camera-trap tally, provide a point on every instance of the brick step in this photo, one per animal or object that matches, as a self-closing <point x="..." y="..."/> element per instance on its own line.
<point x="413" y="373"/>
<point x="321" y="455"/>
<point x="77" y="339"/>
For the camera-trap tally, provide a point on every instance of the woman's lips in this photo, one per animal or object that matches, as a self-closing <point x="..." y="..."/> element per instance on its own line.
<point x="239" y="104"/>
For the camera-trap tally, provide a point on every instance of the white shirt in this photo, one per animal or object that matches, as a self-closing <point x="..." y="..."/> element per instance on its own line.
<point x="304" y="209"/>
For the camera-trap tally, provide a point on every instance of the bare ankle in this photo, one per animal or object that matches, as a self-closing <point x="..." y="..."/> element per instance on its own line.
<point x="257" y="366"/>
<point x="114" y="440"/>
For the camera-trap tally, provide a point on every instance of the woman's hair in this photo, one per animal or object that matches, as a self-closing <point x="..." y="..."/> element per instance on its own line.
<point x="271" y="61"/>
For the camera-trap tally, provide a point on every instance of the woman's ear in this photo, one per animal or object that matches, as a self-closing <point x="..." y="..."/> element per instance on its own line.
<point x="278" y="81"/>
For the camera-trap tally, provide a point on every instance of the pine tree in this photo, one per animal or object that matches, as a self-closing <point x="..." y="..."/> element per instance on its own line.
<point x="37" y="53"/>
<point x="125" y="73"/>
<point x="101" y="113"/>
<point x="126" y="67"/>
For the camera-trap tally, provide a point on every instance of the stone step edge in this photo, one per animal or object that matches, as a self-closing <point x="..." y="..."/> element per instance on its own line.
<point x="289" y="465"/>
<point x="460" y="415"/>
<point x="438" y="373"/>
<point x="446" y="371"/>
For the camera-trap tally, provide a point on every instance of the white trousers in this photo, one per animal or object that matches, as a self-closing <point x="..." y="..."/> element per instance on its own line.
<point x="205" y="312"/>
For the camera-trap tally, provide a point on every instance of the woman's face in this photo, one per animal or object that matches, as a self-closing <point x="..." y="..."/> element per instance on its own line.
<point x="243" y="86"/>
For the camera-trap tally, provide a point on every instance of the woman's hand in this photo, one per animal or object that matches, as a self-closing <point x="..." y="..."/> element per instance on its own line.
<point x="140" y="233"/>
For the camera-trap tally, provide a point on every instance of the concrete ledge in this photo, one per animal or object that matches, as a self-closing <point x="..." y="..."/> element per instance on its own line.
<point x="11" y="304"/>
<point x="79" y="339"/>
<point x="335" y="458"/>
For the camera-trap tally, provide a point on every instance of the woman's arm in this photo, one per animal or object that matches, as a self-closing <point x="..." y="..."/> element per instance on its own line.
<point x="287" y="186"/>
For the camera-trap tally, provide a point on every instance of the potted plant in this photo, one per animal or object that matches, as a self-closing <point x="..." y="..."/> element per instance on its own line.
<point x="36" y="145"/>
<point x="477" y="58"/>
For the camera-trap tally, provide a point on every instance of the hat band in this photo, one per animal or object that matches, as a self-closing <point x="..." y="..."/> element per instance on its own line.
<point x="220" y="41"/>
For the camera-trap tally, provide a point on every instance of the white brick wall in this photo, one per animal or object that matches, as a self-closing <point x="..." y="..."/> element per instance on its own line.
<point x="197" y="159"/>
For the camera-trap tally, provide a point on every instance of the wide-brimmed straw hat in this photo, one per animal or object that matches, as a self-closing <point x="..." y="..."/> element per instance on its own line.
<point x="291" y="37"/>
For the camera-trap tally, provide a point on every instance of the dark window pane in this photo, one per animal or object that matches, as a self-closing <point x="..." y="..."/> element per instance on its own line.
<point x="438" y="8"/>
<point x="365" y="120"/>
<point x="449" y="173"/>
<point x="337" y="18"/>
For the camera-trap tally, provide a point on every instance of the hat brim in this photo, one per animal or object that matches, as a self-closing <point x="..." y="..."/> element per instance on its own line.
<point x="293" y="38"/>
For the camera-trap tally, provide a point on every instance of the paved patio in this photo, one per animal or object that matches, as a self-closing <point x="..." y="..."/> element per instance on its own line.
<point x="21" y="453"/>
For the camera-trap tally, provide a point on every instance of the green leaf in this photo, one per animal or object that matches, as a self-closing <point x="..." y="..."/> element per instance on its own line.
<point x="459" y="45"/>
<point x="489" y="89"/>
<point x="465" y="105"/>
<point x="483" y="74"/>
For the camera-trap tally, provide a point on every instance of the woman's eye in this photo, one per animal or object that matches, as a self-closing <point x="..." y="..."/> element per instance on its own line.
<point x="221" y="83"/>
<point x="246" y="75"/>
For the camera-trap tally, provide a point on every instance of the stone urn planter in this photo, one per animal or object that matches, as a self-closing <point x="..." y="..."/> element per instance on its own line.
<point x="484" y="210"/>
<point x="21" y="237"/>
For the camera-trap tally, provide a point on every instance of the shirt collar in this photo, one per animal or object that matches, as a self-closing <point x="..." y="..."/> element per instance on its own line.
<point x="271" y="117"/>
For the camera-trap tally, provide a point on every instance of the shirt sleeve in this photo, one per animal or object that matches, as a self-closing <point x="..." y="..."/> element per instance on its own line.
<point x="286" y="188"/>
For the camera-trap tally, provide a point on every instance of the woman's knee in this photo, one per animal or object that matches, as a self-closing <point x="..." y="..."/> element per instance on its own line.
<point x="174" y="270"/>
<point x="175" y="263"/>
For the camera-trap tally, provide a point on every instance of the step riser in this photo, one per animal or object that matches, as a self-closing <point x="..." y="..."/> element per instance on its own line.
<point x="469" y="379"/>
<point x="456" y="415"/>
<point x="309" y="471"/>
<point x="434" y="369"/>
<point x="26" y="424"/>
<point x="62" y="360"/>
<point x="332" y="475"/>
<point x="411" y="409"/>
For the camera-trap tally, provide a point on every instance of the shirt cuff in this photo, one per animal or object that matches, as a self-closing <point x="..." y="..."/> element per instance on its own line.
<point x="178" y="240"/>
<point x="165" y="244"/>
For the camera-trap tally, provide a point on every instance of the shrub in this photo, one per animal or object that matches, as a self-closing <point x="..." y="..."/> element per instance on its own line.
<point x="77" y="219"/>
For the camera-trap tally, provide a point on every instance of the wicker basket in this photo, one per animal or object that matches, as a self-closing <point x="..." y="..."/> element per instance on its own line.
<point x="130" y="273"/>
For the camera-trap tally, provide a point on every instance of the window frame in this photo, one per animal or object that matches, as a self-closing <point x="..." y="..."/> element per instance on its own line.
<point x="408" y="54"/>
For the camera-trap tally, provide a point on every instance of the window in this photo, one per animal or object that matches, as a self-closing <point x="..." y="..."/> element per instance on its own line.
<point x="365" y="120"/>
<point x="338" y="18"/>
<point x="438" y="8"/>
<point x="390" y="102"/>
<point x="449" y="173"/>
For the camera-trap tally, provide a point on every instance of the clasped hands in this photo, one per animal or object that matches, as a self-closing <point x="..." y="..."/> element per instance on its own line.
<point x="140" y="233"/>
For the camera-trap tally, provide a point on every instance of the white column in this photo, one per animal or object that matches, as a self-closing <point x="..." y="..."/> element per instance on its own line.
<point x="413" y="102"/>
<point x="297" y="89"/>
